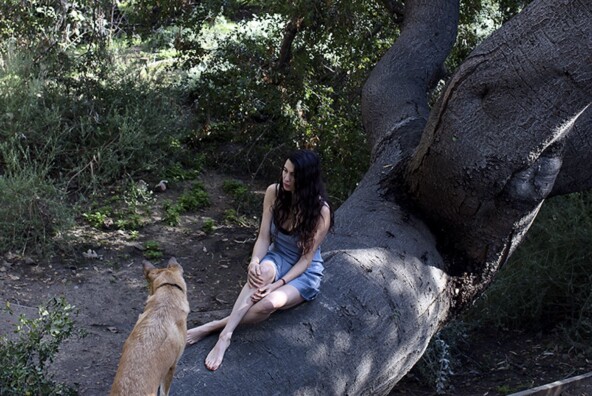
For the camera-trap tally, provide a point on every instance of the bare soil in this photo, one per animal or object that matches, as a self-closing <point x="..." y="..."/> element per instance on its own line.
<point x="109" y="291"/>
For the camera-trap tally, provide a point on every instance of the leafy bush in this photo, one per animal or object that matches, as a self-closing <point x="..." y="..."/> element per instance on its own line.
<point x="546" y="283"/>
<point x="65" y="138"/>
<point x="86" y="133"/>
<point x="172" y="212"/>
<point x="253" y="110"/>
<point x="33" y="212"/>
<point x="208" y="226"/>
<point x="195" y="198"/>
<point x="24" y="360"/>
<point x="51" y="26"/>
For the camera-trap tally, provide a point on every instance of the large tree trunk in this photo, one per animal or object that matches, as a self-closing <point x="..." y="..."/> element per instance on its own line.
<point x="495" y="144"/>
<point x="489" y="156"/>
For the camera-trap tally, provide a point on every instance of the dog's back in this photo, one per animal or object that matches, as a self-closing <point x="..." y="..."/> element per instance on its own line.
<point x="151" y="351"/>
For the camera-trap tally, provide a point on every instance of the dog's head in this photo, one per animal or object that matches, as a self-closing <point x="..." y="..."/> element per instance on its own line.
<point x="171" y="275"/>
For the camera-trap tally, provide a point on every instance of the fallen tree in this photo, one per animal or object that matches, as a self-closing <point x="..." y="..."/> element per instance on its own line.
<point x="449" y="195"/>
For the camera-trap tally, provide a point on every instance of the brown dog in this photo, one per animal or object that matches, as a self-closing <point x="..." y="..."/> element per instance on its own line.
<point x="152" y="350"/>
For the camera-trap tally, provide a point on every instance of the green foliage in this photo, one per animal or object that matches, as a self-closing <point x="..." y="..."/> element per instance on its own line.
<point x="254" y="107"/>
<point x="242" y="198"/>
<point x="24" y="359"/>
<point x="195" y="198"/>
<point x="152" y="250"/>
<point x="128" y="211"/>
<point x="87" y="135"/>
<point x="32" y="211"/>
<point x="185" y="171"/>
<point x="52" y="26"/>
<point x="96" y="219"/>
<point x="231" y="216"/>
<point x="208" y="226"/>
<point x="478" y="19"/>
<point x="75" y="135"/>
<point x="172" y="212"/>
<point x="546" y="283"/>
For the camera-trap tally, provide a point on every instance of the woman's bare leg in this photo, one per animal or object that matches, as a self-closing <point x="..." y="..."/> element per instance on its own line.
<point x="286" y="296"/>
<point x="239" y="310"/>
<point x="244" y="311"/>
<point x="241" y="306"/>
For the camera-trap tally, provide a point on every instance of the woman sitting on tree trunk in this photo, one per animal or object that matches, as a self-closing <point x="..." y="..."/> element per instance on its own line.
<point x="286" y="266"/>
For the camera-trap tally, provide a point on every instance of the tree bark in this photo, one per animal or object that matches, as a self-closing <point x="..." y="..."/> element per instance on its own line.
<point x="489" y="155"/>
<point x="495" y="144"/>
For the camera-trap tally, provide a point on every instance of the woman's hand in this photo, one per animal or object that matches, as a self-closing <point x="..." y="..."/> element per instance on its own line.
<point x="264" y="291"/>
<point x="254" y="276"/>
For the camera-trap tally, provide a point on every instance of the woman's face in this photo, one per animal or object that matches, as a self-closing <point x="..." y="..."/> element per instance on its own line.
<point x="288" y="176"/>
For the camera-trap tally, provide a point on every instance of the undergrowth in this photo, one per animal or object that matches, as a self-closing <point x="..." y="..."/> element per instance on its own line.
<point x="546" y="284"/>
<point x="545" y="287"/>
<point x="66" y="139"/>
<point x="26" y="357"/>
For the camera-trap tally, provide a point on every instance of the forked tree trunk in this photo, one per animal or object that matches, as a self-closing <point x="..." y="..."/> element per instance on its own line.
<point x="489" y="155"/>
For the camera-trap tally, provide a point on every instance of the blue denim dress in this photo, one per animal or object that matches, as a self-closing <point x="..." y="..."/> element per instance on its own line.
<point x="284" y="253"/>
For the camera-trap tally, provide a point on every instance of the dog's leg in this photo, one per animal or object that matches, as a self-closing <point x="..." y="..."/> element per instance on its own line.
<point x="165" y="387"/>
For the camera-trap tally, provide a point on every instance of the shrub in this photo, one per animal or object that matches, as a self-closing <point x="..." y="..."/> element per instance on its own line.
<point x="253" y="111"/>
<point x="86" y="131"/>
<point x="208" y="226"/>
<point x="33" y="212"/>
<point x="66" y="137"/>
<point x="195" y="198"/>
<point x="172" y="212"/>
<point x="24" y="360"/>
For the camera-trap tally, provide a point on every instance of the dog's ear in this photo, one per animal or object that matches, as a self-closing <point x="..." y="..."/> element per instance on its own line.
<point x="147" y="268"/>
<point x="173" y="263"/>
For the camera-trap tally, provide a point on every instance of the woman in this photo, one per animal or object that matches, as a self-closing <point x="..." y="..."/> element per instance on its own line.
<point x="286" y="265"/>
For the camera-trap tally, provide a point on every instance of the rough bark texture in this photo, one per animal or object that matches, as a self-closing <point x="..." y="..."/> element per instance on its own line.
<point x="490" y="155"/>
<point x="493" y="148"/>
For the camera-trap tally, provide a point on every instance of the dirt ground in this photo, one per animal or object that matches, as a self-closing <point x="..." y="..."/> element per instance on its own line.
<point x="109" y="291"/>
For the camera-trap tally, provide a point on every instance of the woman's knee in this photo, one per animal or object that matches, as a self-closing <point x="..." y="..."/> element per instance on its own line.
<point x="268" y="271"/>
<point x="265" y="307"/>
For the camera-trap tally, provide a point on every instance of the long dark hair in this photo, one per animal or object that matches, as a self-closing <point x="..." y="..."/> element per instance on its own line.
<point x="306" y="201"/>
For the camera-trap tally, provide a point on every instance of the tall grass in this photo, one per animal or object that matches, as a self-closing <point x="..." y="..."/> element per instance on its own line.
<point x="87" y="132"/>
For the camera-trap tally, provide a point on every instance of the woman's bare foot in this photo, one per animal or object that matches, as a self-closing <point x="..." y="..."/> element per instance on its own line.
<point x="196" y="334"/>
<point x="214" y="358"/>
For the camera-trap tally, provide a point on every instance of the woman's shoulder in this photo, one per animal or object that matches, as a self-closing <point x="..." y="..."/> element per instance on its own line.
<point x="271" y="192"/>
<point x="272" y="189"/>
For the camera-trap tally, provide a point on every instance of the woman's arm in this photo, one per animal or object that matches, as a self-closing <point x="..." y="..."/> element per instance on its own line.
<point x="264" y="237"/>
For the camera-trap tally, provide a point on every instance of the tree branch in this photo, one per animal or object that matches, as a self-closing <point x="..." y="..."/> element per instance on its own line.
<point x="394" y="98"/>
<point x="290" y="31"/>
